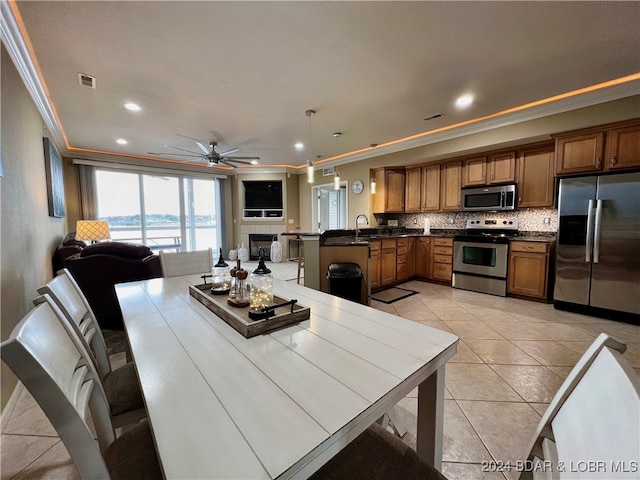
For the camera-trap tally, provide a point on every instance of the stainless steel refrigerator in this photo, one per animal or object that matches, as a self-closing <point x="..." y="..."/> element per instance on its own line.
<point x="598" y="245"/>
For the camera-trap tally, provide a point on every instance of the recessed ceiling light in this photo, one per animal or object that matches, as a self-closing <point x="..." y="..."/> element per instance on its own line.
<point x="254" y="162"/>
<point x="464" y="100"/>
<point x="132" y="106"/>
<point x="121" y="141"/>
<point x="299" y="146"/>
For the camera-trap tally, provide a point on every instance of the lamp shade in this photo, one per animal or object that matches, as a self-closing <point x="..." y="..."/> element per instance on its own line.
<point x="91" y="230"/>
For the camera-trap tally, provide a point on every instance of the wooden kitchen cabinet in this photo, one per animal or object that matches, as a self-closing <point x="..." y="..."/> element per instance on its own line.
<point x="390" y="190"/>
<point x="528" y="271"/>
<point x="623" y="147"/>
<point x="413" y="187"/>
<point x="441" y="259"/>
<point x="388" y="262"/>
<point x="535" y="177"/>
<point x="606" y="148"/>
<point x="499" y="168"/>
<point x="423" y="257"/>
<point x="403" y="265"/>
<point x="474" y="172"/>
<point x="430" y="191"/>
<point x="374" y="264"/>
<point x="450" y="184"/>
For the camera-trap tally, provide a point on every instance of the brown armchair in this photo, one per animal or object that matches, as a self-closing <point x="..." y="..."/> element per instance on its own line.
<point x="98" y="267"/>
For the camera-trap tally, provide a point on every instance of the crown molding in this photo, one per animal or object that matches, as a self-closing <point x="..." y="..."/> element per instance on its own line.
<point x="19" y="52"/>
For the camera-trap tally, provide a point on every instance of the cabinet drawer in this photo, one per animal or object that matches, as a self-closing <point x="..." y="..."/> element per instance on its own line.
<point x="531" y="247"/>
<point x="374" y="245"/>
<point x="442" y="259"/>
<point x="402" y="250"/>
<point x="389" y="243"/>
<point x="401" y="259"/>
<point x="442" y="271"/>
<point x="443" y="242"/>
<point x="442" y="250"/>
<point x="402" y="242"/>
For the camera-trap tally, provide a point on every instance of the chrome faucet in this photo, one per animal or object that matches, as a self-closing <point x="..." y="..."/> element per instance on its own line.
<point x="358" y="218"/>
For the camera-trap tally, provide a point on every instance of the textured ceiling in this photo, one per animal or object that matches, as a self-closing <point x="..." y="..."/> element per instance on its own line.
<point x="247" y="71"/>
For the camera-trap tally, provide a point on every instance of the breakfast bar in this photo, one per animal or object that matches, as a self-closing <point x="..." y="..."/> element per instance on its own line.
<point x="278" y="405"/>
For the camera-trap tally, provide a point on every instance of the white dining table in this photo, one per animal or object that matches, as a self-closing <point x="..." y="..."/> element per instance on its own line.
<point x="278" y="405"/>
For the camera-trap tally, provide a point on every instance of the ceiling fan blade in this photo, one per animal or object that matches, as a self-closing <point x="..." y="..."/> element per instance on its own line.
<point x="219" y="138"/>
<point x="188" y="137"/>
<point x="230" y="160"/>
<point x="242" y="158"/>
<point x="182" y="149"/>
<point x="229" y="152"/>
<point x="203" y="148"/>
<point x="175" y="154"/>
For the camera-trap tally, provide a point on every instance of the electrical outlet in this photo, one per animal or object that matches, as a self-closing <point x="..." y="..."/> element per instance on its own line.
<point x="452" y="220"/>
<point x="291" y="221"/>
<point x="546" y="220"/>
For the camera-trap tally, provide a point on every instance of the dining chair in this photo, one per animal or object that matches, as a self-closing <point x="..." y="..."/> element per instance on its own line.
<point x="591" y="428"/>
<point x="120" y="384"/>
<point x="175" y="264"/>
<point x="377" y="454"/>
<point x="65" y="384"/>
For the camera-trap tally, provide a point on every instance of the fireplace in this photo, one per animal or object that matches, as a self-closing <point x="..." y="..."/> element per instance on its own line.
<point x="258" y="241"/>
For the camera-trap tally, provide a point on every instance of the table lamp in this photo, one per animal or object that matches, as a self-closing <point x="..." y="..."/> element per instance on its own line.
<point x="92" y="230"/>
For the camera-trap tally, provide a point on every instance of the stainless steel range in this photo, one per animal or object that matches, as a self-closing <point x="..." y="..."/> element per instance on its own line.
<point x="480" y="256"/>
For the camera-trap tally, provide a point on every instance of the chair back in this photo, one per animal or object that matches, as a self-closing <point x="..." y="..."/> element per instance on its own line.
<point x="591" y="429"/>
<point x="63" y="382"/>
<point x="175" y="264"/>
<point x="67" y="295"/>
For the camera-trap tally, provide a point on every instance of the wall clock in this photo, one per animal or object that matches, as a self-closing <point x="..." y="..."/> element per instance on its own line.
<point x="357" y="187"/>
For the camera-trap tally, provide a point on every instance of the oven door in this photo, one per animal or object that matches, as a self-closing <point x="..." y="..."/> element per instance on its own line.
<point x="478" y="258"/>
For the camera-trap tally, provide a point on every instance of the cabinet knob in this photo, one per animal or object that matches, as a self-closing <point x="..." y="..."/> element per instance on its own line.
<point x="598" y="162"/>
<point x="613" y="160"/>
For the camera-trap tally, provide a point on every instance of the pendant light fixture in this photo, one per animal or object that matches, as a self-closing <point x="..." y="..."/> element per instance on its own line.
<point x="336" y="181"/>
<point x="310" y="169"/>
<point x="373" y="179"/>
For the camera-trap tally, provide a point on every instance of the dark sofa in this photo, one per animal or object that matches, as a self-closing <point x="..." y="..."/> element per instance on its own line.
<point x="98" y="267"/>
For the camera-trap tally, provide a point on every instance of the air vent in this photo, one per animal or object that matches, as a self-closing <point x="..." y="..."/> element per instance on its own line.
<point x="86" y="80"/>
<point x="327" y="172"/>
<point x="437" y="115"/>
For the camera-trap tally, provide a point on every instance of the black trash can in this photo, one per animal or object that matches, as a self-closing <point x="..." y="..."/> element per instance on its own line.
<point x="345" y="280"/>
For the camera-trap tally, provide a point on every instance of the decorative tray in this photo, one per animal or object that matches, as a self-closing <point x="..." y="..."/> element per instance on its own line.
<point x="239" y="319"/>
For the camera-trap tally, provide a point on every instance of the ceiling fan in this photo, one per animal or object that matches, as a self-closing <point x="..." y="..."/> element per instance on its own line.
<point x="211" y="156"/>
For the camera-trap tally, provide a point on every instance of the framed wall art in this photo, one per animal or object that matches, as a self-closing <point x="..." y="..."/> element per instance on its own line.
<point x="55" y="183"/>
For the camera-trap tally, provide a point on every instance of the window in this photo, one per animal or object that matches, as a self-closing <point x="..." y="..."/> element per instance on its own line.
<point x="164" y="212"/>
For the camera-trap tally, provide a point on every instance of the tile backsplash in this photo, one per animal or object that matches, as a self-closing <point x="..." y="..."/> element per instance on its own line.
<point x="529" y="220"/>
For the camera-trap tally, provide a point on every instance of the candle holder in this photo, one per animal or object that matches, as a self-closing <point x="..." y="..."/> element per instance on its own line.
<point x="261" y="294"/>
<point x="221" y="281"/>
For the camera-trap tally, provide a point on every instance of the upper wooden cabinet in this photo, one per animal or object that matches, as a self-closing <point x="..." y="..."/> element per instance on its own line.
<point x="474" y="172"/>
<point x="390" y="190"/>
<point x="450" y="184"/>
<point x="413" y="188"/>
<point x="623" y="147"/>
<point x="494" y="169"/>
<point x="605" y="148"/>
<point x="535" y="177"/>
<point x="430" y="188"/>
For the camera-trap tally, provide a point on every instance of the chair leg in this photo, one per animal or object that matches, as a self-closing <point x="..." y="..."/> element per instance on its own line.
<point x="300" y="259"/>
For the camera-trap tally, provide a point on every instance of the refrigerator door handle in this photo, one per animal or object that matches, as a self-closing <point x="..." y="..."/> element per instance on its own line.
<point x="596" y="233"/>
<point x="589" y="243"/>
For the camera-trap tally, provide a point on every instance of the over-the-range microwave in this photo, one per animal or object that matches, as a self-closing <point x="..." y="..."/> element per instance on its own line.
<point x="490" y="198"/>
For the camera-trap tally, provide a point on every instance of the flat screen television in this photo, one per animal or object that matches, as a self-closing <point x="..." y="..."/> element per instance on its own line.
<point x="262" y="194"/>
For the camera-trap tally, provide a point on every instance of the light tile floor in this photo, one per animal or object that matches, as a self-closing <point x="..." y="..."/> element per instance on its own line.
<point x="512" y="357"/>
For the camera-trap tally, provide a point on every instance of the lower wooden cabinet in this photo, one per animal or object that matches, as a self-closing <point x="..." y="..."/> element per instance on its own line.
<point x="374" y="265"/>
<point x="442" y="259"/>
<point x="529" y="267"/>
<point x="423" y="257"/>
<point x="388" y="262"/>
